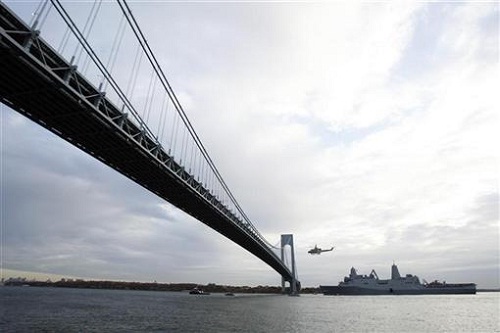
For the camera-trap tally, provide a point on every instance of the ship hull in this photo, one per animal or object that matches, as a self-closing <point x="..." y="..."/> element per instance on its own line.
<point x="353" y="290"/>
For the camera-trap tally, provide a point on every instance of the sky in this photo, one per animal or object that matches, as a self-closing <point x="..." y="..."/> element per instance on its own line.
<point x="368" y="126"/>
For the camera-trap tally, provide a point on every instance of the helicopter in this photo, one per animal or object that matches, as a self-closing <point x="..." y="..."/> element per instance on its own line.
<point x="317" y="250"/>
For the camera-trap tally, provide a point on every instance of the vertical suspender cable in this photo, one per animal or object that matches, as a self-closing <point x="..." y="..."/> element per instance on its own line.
<point x="89" y="23"/>
<point x="183" y="146"/>
<point x="146" y="101"/>
<point x="174" y="136"/>
<point x="160" y="121"/>
<point x="64" y="41"/>
<point x="163" y="123"/>
<point x="134" y="74"/>
<point x="151" y="99"/>
<point x="38" y="13"/>
<point x="45" y="17"/>
<point x="113" y="54"/>
<point x="191" y="158"/>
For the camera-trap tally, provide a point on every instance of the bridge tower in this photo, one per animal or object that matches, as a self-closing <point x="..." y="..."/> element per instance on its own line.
<point x="287" y="239"/>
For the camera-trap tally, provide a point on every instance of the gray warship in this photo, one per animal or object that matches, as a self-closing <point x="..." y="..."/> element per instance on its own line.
<point x="357" y="284"/>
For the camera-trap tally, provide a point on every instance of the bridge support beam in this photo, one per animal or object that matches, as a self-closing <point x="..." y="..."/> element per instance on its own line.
<point x="287" y="239"/>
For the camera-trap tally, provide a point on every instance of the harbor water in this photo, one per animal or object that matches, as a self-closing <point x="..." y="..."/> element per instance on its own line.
<point x="31" y="309"/>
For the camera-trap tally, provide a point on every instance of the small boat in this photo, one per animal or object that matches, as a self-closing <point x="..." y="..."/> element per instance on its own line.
<point x="197" y="291"/>
<point x="229" y="294"/>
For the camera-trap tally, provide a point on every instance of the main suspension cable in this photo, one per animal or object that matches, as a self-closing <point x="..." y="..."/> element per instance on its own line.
<point x="151" y="57"/>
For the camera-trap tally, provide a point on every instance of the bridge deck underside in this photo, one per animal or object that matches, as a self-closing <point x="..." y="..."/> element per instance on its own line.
<point x="27" y="86"/>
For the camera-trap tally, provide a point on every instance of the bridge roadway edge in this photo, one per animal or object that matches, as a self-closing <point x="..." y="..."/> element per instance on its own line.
<point x="32" y="89"/>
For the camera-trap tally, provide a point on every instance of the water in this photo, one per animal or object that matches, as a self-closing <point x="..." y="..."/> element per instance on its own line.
<point x="29" y="309"/>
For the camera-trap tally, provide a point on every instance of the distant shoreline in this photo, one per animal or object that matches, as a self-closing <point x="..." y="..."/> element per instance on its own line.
<point x="152" y="286"/>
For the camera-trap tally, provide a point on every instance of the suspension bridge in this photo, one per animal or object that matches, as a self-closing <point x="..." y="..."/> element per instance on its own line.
<point x="102" y="89"/>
